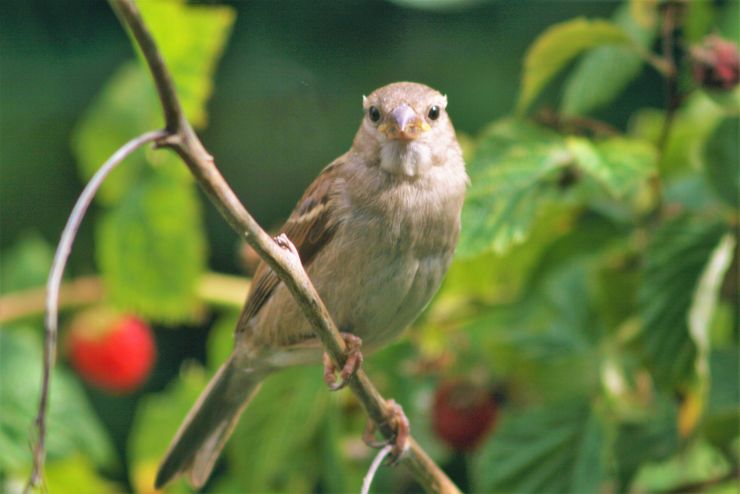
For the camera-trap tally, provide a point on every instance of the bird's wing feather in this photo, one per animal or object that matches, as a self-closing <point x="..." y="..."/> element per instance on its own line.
<point x="310" y="227"/>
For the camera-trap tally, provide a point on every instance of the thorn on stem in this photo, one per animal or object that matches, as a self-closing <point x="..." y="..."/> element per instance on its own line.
<point x="284" y="242"/>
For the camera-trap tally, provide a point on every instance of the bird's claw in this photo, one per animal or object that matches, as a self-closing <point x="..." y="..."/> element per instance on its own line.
<point x="354" y="361"/>
<point x="400" y="424"/>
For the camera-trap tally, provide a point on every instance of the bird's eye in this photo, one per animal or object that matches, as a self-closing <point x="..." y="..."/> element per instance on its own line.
<point x="433" y="112"/>
<point x="373" y="113"/>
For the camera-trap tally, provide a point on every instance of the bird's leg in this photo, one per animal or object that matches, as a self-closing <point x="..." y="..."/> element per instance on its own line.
<point x="400" y="423"/>
<point x="354" y="360"/>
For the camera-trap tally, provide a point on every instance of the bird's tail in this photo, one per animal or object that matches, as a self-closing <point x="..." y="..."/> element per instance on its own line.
<point x="209" y="424"/>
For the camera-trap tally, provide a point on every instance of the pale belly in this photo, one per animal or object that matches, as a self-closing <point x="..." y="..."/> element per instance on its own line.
<point x="377" y="273"/>
<point x="374" y="296"/>
<point x="391" y="295"/>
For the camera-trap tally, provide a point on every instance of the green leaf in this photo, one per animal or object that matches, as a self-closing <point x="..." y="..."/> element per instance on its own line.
<point x="549" y="363"/>
<point x="125" y="107"/>
<point x="151" y="250"/>
<point x="675" y="260"/>
<point x="692" y="125"/>
<point x="698" y="462"/>
<point x="335" y="472"/>
<point x="618" y="164"/>
<point x="221" y="339"/>
<point x="722" y="159"/>
<point x="546" y="346"/>
<point x="157" y="419"/>
<point x="720" y="426"/>
<point x="560" y="448"/>
<point x="603" y="73"/>
<point x="507" y="188"/>
<point x="26" y="264"/>
<point x="560" y="44"/>
<point x="501" y="278"/>
<point x="729" y="27"/>
<point x="191" y="40"/>
<point x="699" y="20"/>
<point x="77" y="474"/>
<point x="274" y="446"/>
<point x="644" y="12"/>
<point x="520" y="170"/>
<point x="654" y="437"/>
<point x="73" y="427"/>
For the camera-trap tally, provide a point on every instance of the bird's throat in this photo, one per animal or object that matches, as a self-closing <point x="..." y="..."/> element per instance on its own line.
<point x="407" y="158"/>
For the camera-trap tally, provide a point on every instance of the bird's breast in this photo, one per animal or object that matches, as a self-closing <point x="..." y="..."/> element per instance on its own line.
<point x="393" y="250"/>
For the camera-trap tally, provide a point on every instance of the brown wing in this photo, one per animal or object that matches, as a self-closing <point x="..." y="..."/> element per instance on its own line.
<point x="309" y="227"/>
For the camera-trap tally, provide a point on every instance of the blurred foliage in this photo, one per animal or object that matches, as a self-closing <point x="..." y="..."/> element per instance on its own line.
<point x="520" y="168"/>
<point x="567" y="445"/>
<point x="151" y="249"/>
<point x="77" y="443"/>
<point x="595" y="284"/>
<point x="557" y="46"/>
<point x="613" y="66"/>
<point x="154" y="212"/>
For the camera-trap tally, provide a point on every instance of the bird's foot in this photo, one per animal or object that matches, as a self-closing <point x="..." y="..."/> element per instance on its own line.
<point x="353" y="363"/>
<point x="400" y="423"/>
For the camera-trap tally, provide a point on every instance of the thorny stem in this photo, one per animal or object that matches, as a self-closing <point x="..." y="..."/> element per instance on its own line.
<point x="55" y="279"/>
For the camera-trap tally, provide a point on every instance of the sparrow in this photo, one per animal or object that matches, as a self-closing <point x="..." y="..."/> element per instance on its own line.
<point x="375" y="231"/>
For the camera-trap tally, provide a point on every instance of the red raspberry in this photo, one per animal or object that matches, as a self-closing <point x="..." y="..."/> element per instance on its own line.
<point x="112" y="351"/>
<point x="463" y="414"/>
<point x="716" y="63"/>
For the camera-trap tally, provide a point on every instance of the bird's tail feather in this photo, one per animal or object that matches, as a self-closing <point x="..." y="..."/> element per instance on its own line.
<point x="209" y="424"/>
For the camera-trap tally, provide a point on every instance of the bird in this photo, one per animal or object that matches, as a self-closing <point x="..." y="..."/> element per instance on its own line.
<point x="376" y="232"/>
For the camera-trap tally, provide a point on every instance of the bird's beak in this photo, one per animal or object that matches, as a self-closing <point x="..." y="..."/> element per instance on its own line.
<point x="404" y="124"/>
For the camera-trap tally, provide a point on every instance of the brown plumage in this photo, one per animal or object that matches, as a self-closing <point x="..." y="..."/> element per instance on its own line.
<point x="375" y="231"/>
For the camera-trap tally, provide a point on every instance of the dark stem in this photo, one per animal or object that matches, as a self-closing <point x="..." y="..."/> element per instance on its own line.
<point x="576" y="125"/>
<point x="668" y="29"/>
<point x="669" y="24"/>
<point x="55" y="279"/>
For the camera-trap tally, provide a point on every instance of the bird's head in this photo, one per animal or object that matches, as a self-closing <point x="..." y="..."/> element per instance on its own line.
<point x="407" y="128"/>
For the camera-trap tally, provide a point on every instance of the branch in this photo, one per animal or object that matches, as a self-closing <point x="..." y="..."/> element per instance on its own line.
<point x="32" y="302"/>
<point x="286" y="265"/>
<point x="216" y="289"/>
<point x="55" y="279"/>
